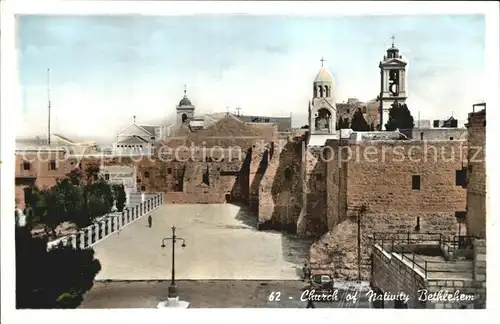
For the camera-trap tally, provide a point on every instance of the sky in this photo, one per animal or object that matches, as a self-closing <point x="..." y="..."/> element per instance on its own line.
<point x="106" y="69"/>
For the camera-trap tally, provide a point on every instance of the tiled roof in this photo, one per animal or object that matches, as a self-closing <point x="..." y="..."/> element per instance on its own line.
<point x="133" y="140"/>
<point x="150" y="129"/>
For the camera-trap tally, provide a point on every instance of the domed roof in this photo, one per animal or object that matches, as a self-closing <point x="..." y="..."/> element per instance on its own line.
<point x="324" y="75"/>
<point x="185" y="102"/>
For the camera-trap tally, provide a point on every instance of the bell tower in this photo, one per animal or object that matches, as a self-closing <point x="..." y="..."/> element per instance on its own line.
<point x="322" y="109"/>
<point x="393" y="82"/>
<point x="185" y="109"/>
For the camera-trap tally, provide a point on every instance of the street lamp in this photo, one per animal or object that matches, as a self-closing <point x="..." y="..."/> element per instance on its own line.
<point x="172" y="290"/>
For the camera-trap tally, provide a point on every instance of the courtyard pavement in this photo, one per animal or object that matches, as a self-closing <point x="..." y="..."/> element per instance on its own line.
<point x="211" y="294"/>
<point x="221" y="243"/>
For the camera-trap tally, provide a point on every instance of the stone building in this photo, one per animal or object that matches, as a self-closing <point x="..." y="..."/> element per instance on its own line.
<point x="390" y="186"/>
<point x="426" y="264"/>
<point x="135" y="139"/>
<point x="39" y="167"/>
<point x="370" y="110"/>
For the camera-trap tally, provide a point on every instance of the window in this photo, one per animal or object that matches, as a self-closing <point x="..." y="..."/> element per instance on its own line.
<point x="52" y="165"/>
<point x="451" y="138"/>
<point x="169" y="170"/>
<point x="364" y="110"/>
<point x="143" y="188"/>
<point x="415" y="182"/>
<point x="26" y="165"/>
<point x="288" y="174"/>
<point x="146" y="174"/>
<point x="461" y="178"/>
<point x="348" y="111"/>
<point x="319" y="177"/>
<point x="106" y="176"/>
<point x="421" y="136"/>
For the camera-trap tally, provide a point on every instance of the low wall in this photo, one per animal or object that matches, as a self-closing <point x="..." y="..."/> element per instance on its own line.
<point x="193" y="198"/>
<point x="109" y="224"/>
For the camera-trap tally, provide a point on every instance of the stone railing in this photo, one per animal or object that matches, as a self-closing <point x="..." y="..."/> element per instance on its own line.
<point x="109" y="224"/>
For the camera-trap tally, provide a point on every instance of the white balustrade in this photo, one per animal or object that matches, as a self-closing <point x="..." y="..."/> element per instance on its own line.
<point x="89" y="235"/>
<point x="111" y="223"/>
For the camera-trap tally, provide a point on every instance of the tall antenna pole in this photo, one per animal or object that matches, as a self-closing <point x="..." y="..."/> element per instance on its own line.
<point x="48" y="98"/>
<point x="419" y="119"/>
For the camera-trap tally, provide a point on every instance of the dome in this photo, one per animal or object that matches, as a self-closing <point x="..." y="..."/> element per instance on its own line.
<point x="393" y="49"/>
<point x="324" y="75"/>
<point x="185" y="102"/>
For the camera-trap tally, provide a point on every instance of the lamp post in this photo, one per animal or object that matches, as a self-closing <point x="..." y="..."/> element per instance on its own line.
<point x="172" y="290"/>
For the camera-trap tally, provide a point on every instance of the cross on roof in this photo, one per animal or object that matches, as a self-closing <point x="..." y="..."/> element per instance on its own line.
<point x="134" y="119"/>
<point x="185" y="90"/>
<point x="238" y="109"/>
<point x="392" y="40"/>
<point x="322" y="60"/>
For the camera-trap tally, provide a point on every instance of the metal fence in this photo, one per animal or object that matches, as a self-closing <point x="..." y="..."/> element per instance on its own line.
<point x="109" y="224"/>
<point x="401" y="243"/>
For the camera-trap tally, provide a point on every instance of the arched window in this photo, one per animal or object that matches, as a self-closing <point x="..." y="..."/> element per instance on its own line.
<point x="327" y="91"/>
<point x="315" y="90"/>
<point x="288" y="174"/>
<point x="184" y="118"/>
<point x="321" y="91"/>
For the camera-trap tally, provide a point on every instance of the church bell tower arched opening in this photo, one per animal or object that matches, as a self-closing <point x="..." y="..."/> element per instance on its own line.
<point x="322" y="109"/>
<point x="393" y="82"/>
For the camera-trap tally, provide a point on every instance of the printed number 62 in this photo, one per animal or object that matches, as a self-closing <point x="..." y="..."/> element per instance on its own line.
<point x="274" y="296"/>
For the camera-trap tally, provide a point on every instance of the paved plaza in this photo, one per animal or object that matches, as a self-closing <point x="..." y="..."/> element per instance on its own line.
<point x="221" y="243"/>
<point x="211" y="294"/>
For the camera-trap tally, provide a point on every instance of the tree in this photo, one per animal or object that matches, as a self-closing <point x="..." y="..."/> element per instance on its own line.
<point x="119" y="196"/>
<point x="70" y="200"/>
<point x="92" y="173"/>
<point x="98" y="199"/>
<point x="75" y="176"/>
<point x="343" y="123"/>
<point x="51" y="279"/>
<point x="358" y="122"/>
<point x="35" y="206"/>
<point x="399" y="117"/>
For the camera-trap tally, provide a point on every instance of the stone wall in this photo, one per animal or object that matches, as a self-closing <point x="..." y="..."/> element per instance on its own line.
<point x="280" y="190"/>
<point x="433" y="134"/>
<point x="378" y="176"/>
<point x="193" y="198"/>
<point x="315" y="189"/>
<point x="391" y="275"/>
<point x="476" y="182"/>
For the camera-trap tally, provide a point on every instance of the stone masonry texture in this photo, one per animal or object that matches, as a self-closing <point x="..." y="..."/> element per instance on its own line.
<point x="476" y="182"/>
<point x="393" y="275"/>
<point x="378" y="175"/>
